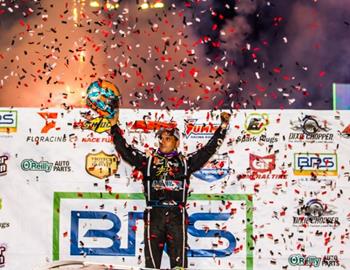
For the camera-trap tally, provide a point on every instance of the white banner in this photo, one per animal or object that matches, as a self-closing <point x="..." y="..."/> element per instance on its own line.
<point x="276" y="194"/>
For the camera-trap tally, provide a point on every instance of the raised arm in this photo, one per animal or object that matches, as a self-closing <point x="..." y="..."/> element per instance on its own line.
<point x="130" y="154"/>
<point x="197" y="160"/>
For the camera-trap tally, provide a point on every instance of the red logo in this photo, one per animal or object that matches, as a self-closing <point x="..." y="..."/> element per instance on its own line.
<point x="346" y="132"/>
<point x="199" y="129"/>
<point x="49" y="122"/>
<point x="149" y="126"/>
<point x="262" y="164"/>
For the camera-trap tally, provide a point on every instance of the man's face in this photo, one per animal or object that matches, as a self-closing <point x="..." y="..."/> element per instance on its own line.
<point x="167" y="142"/>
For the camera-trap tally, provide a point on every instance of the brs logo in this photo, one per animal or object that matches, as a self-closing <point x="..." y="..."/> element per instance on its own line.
<point x="77" y="246"/>
<point x="315" y="164"/>
<point x="193" y="129"/>
<point x="8" y="121"/>
<point x="111" y="225"/>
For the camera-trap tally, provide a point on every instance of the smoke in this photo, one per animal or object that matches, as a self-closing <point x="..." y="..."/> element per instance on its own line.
<point x="192" y="54"/>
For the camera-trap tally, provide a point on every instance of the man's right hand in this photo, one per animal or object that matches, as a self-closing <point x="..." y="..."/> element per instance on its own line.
<point x="115" y="119"/>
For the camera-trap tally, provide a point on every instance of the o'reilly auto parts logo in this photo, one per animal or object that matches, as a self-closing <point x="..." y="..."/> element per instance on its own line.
<point x="315" y="164"/>
<point x="313" y="261"/>
<point x="45" y="166"/>
<point x="193" y="129"/>
<point x="215" y="169"/>
<point x="101" y="165"/>
<point x="81" y="227"/>
<point x="3" y="165"/>
<point x="315" y="213"/>
<point x="262" y="167"/>
<point x="8" y="121"/>
<point x="310" y="130"/>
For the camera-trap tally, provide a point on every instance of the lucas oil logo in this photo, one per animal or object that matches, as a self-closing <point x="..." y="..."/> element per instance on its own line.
<point x="315" y="164"/>
<point x="101" y="165"/>
<point x="199" y="130"/>
<point x="215" y="169"/>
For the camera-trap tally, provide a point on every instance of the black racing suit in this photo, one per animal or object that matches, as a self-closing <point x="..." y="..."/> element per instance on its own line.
<point x="166" y="184"/>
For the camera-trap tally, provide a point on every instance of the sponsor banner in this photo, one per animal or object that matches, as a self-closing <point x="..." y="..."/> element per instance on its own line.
<point x="109" y="228"/>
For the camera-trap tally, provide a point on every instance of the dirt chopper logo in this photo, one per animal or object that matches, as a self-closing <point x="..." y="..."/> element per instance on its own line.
<point x="315" y="213"/>
<point x="310" y="129"/>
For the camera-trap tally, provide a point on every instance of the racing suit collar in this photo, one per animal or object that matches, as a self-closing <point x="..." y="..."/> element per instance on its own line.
<point x="168" y="155"/>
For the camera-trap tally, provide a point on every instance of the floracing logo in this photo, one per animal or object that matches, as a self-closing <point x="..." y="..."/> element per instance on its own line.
<point x="101" y="165"/>
<point x="256" y="123"/>
<point x="45" y="166"/>
<point x="3" y="165"/>
<point x="8" y="121"/>
<point x="315" y="164"/>
<point x="345" y="133"/>
<point x="262" y="167"/>
<point x="48" y="126"/>
<point x="193" y="129"/>
<point x="147" y="126"/>
<point x="215" y="169"/>
<point x="98" y="124"/>
<point x="310" y="130"/>
<point x="315" y="213"/>
<point x="2" y="255"/>
<point x="50" y="121"/>
<point x="80" y="231"/>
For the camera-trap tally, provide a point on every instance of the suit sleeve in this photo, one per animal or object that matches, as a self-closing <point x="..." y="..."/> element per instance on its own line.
<point x="130" y="154"/>
<point x="197" y="160"/>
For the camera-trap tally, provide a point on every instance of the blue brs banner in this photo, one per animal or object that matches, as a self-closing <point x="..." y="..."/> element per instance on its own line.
<point x="109" y="228"/>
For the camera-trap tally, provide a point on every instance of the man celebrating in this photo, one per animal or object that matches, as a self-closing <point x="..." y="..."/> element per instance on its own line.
<point x="166" y="174"/>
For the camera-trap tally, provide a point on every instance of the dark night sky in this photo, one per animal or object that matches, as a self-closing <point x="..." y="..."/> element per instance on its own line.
<point x="191" y="54"/>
